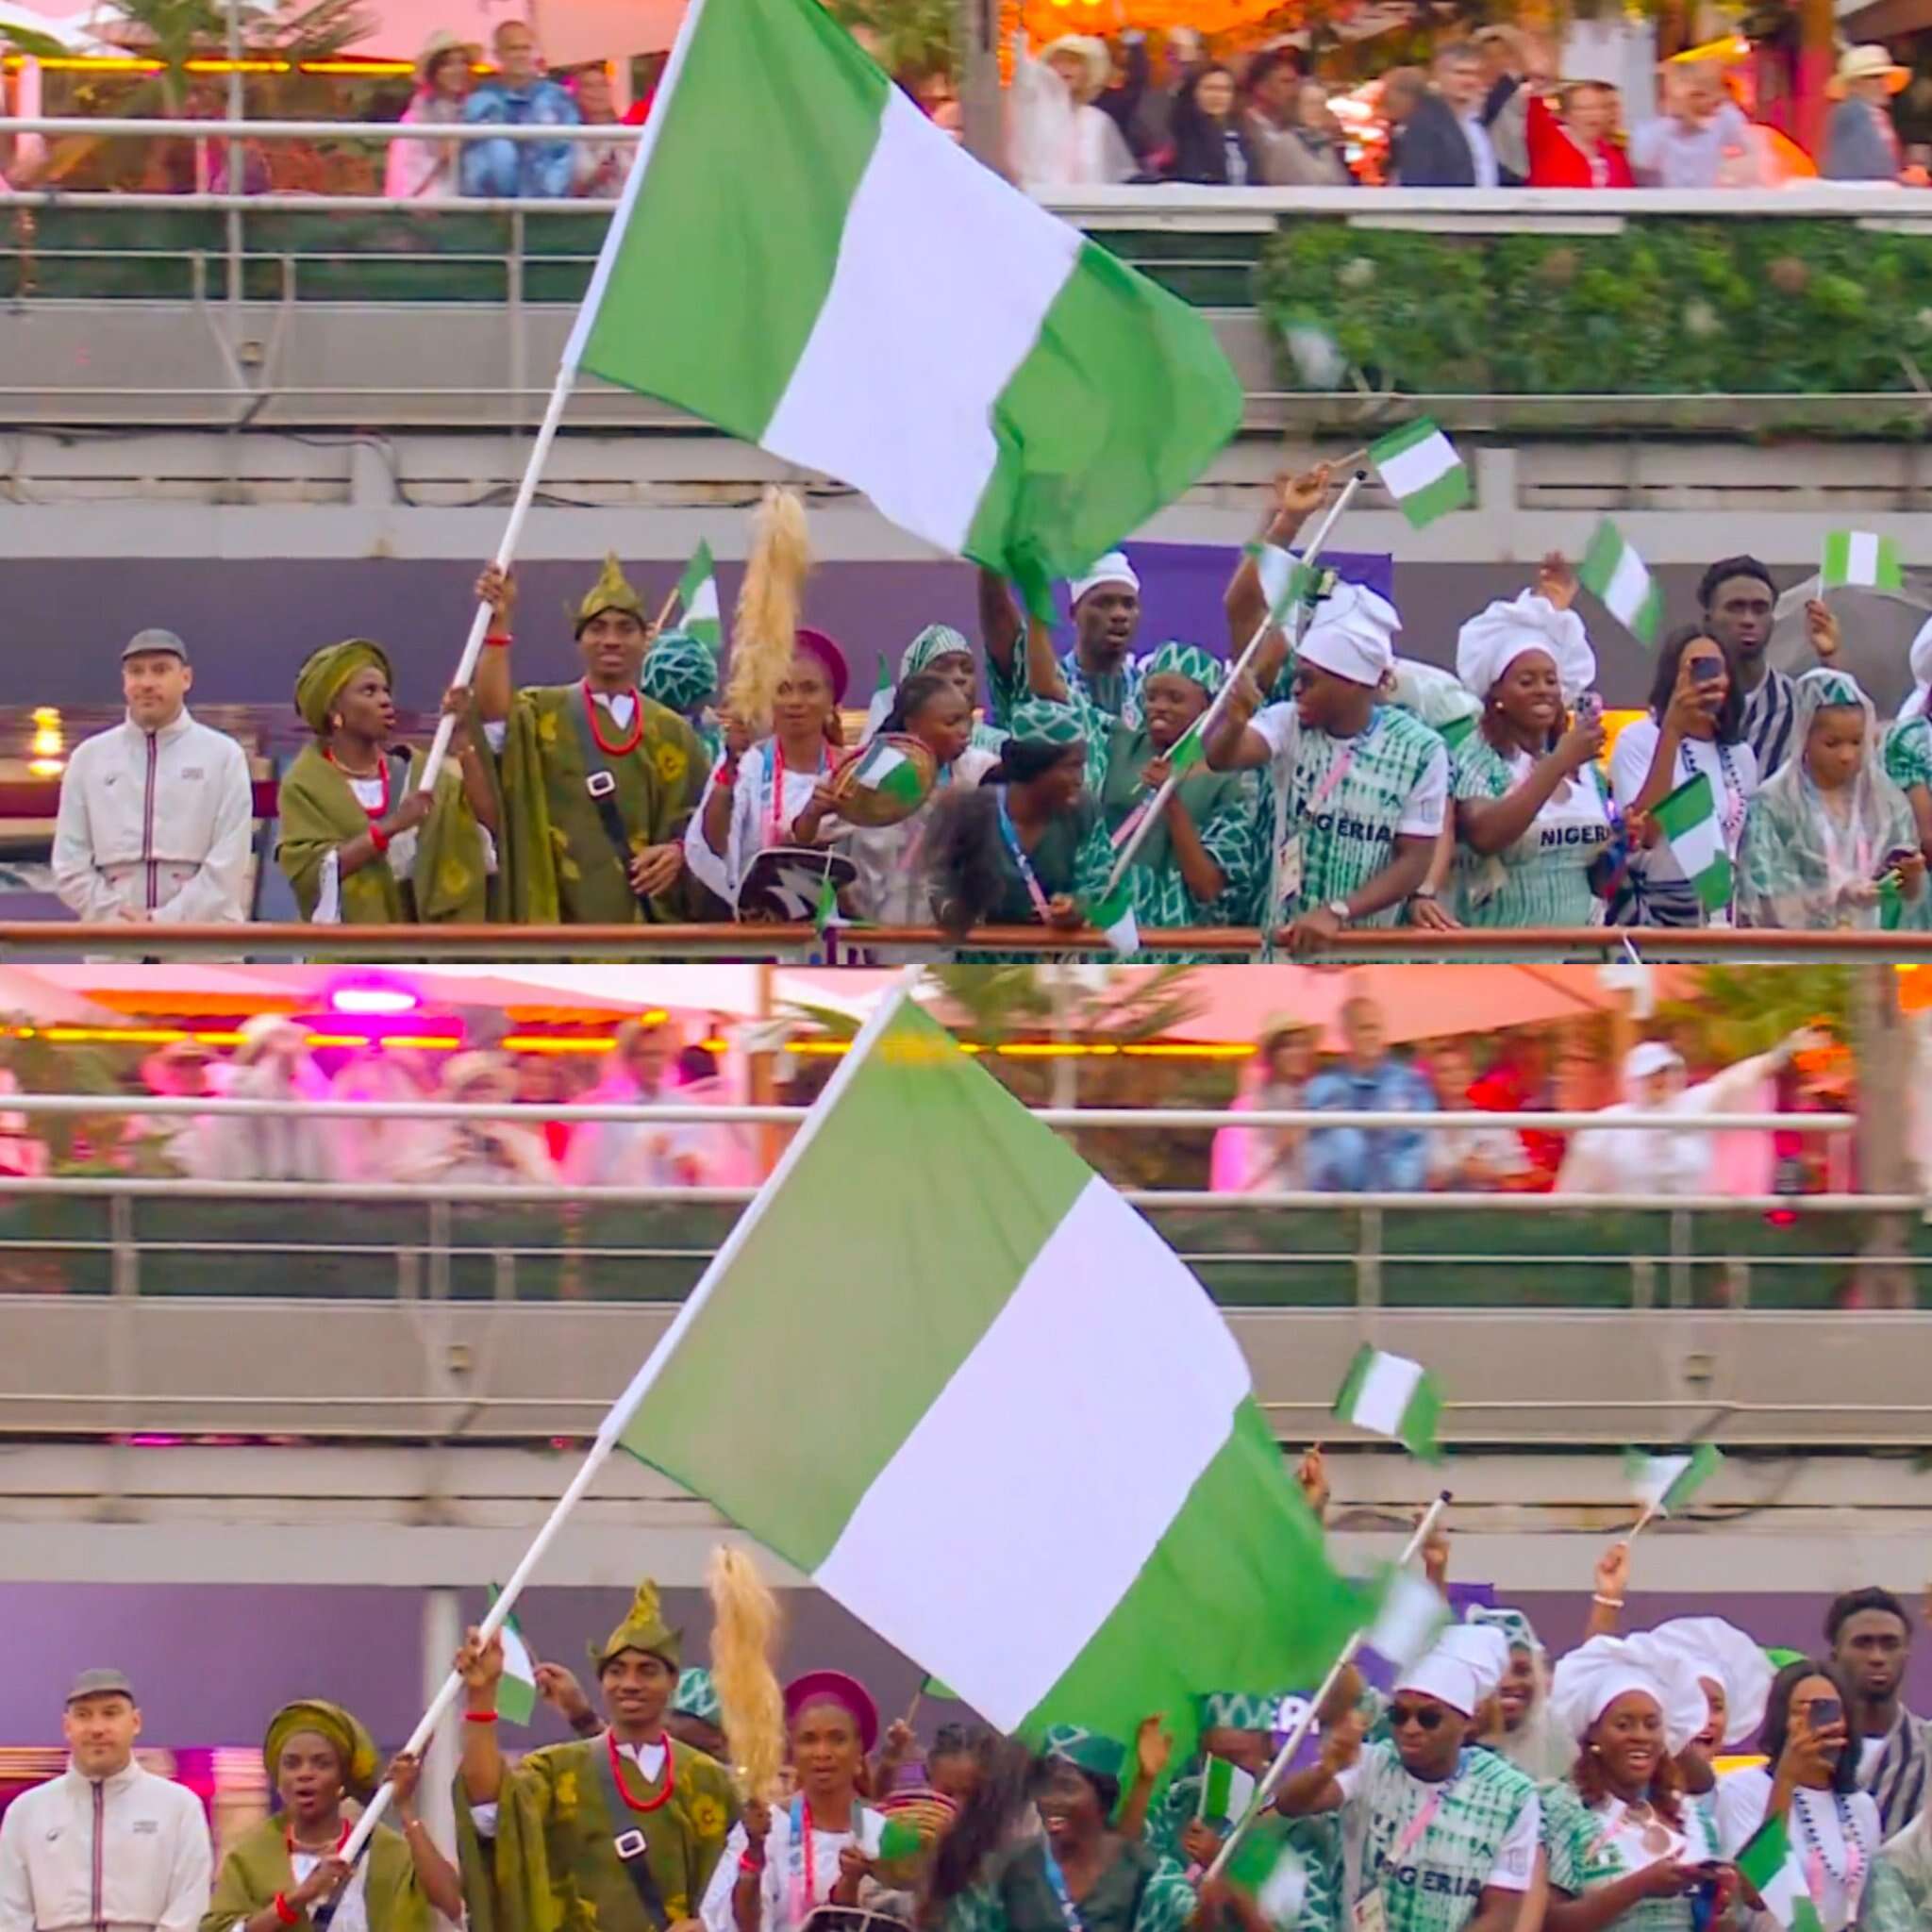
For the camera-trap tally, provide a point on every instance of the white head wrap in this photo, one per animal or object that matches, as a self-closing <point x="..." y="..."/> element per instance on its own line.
<point x="1351" y="632"/>
<point x="1111" y="569"/>
<point x="1922" y="673"/>
<point x="1587" y="1682"/>
<point x="1493" y="641"/>
<point x="1712" y="1648"/>
<point x="1463" y="1669"/>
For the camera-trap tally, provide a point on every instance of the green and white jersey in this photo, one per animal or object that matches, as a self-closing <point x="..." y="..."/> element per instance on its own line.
<point x="1543" y="879"/>
<point x="1589" y="1846"/>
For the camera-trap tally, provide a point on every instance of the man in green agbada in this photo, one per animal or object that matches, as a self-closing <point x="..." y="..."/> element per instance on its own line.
<point x="598" y="779"/>
<point x="540" y="1844"/>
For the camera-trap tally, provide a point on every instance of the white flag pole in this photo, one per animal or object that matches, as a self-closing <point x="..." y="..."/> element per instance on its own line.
<point x="1222" y="698"/>
<point x="1264" y="1791"/>
<point x="626" y="1405"/>
<point x="567" y="376"/>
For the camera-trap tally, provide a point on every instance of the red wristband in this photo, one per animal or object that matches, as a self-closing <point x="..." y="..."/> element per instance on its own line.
<point x="284" y="1911"/>
<point x="377" y="837"/>
<point x="480" y="1717"/>
<point x="497" y="639"/>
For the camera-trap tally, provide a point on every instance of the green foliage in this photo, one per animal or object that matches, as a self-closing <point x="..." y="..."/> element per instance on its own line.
<point x="1664" y="307"/>
<point x="1741" y="1011"/>
<point x="91" y="1144"/>
<point x="908" y="38"/>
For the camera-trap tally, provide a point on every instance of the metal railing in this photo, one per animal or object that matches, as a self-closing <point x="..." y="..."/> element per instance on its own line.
<point x="53" y="938"/>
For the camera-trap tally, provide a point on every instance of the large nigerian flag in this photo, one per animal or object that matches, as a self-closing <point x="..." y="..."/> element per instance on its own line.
<point x="803" y="259"/>
<point x="991" y="1413"/>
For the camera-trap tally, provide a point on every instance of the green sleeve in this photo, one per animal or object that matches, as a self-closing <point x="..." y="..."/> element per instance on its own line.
<point x="1167" y="1900"/>
<point x="507" y="1879"/>
<point x="1563" y="1846"/>
<point x="396" y="1900"/>
<point x="243" y="1885"/>
<point x="526" y="846"/>
<point x="1228" y="839"/>
<point x="1092" y="861"/>
<point x="306" y="835"/>
<point x="1005" y="687"/>
<point x="1908" y="753"/>
<point x="451" y="879"/>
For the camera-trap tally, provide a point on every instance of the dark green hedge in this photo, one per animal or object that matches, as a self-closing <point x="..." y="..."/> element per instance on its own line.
<point x="1665" y="307"/>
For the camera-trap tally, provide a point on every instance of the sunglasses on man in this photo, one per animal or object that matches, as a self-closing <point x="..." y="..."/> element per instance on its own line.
<point x="1425" y="1717"/>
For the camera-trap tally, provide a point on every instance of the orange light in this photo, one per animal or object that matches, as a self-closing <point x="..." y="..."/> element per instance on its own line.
<point x="88" y="63"/>
<point x="46" y="768"/>
<point x="235" y="66"/>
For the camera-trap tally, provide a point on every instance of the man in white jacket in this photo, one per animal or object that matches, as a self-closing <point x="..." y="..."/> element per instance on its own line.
<point x="105" y="1846"/>
<point x="157" y="814"/>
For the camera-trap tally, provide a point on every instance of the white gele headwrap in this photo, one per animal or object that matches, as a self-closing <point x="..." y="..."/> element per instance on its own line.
<point x="1710" y="1648"/>
<point x="1587" y="1682"/>
<point x="1493" y="641"/>
<point x="1351" y="632"/>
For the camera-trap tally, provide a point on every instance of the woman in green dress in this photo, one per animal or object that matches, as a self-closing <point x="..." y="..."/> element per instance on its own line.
<point x="361" y="843"/>
<point x="1026" y="846"/>
<point x="288" y="1868"/>
<point x="1829" y="839"/>
<point x="1197" y="866"/>
<point x="1532" y="810"/>
<point x="1626" y="1847"/>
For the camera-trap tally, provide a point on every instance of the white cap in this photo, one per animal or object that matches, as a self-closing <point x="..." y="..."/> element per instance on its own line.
<point x="1650" y="1058"/>
<point x="1463" y="1669"/>
<point x="1351" y="632"/>
<point x="1587" y="1682"/>
<point x="1111" y="569"/>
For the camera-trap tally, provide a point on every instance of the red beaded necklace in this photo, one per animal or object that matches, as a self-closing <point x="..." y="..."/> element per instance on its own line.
<point x="374" y="811"/>
<point x="637" y="724"/>
<point x="308" y="1851"/>
<point x="624" y="1790"/>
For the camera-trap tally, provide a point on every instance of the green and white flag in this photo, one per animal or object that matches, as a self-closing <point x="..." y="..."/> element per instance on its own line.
<point x="1226" y="1791"/>
<point x="1664" y="1483"/>
<point x="854" y="294"/>
<point x="516" y="1695"/>
<point x="1420" y="469"/>
<point x="885" y="769"/>
<point x="816" y="1325"/>
<point x="1687" y="817"/>
<point x="1189" y="749"/>
<point x="1413" y="1614"/>
<point x="1391" y="1396"/>
<point x="1621" y="579"/>
<point x="1858" y="560"/>
<point x="1114" y="916"/>
<point x="1770" y="1867"/>
<point x="697" y="598"/>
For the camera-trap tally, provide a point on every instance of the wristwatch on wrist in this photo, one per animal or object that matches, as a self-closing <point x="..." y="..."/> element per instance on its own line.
<point x="1424" y="891"/>
<point x="1339" y="908"/>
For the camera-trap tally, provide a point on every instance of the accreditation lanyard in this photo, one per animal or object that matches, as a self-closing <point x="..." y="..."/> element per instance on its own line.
<point x="1009" y="832"/>
<point x="775" y="776"/>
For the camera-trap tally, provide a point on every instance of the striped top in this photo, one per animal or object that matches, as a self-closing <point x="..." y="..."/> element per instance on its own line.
<point x="1768" y="711"/>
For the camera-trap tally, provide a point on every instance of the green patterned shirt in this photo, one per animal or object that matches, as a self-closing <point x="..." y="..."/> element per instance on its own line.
<point x="1908" y="762"/>
<point x="1347" y="801"/>
<point x="1543" y="879"/>
<point x="1433" y="1849"/>
<point x="1586" y="1851"/>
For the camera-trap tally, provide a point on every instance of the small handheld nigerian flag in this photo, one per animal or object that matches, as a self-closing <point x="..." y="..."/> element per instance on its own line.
<point x="1688" y="819"/>
<point x="1113" y="913"/>
<point x="1664" y="1483"/>
<point x="1390" y="1395"/>
<point x="1420" y="469"/>
<point x="1614" y="572"/>
<point x="516" y="1695"/>
<point x="997" y="383"/>
<point x="1063" y="1306"/>
<point x="1226" y="1791"/>
<point x="697" y="597"/>
<point x="1771" y="1868"/>
<point x="885" y="769"/>
<point x="1412" y="1616"/>
<point x="1189" y="749"/>
<point x="1856" y="559"/>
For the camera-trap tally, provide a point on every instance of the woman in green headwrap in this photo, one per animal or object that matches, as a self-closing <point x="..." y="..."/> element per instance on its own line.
<point x="286" y="1868"/>
<point x="1197" y="866"/>
<point x="1026" y="845"/>
<point x="680" y="672"/>
<point x="942" y="652"/>
<point x="361" y="843"/>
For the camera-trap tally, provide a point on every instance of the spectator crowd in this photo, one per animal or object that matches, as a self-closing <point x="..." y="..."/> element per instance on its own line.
<point x="1341" y="785"/>
<point x="1632" y="1782"/>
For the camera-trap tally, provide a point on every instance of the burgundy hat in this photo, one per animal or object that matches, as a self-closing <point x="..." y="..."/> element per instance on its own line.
<point x="835" y="1687"/>
<point x="815" y="643"/>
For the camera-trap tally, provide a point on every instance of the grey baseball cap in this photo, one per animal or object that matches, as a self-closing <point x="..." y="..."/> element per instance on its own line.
<point x="144" y="641"/>
<point x="102" y="1683"/>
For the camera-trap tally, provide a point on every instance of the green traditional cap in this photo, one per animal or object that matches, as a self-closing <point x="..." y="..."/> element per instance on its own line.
<point x="680" y="671"/>
<point x="643" y="1628"/>
<point x="1238" y="1710"/>
<point x="1177" y="660"/>
<point x="1518" y="1631"/>
<point x="935" y="642"/>
<point x="697" y="1696"/>
<point x="1085" y="1750"/>
<point x="1044" y="720"/>
<point x="611" y="592"/>
<point x="354" y="1747"/>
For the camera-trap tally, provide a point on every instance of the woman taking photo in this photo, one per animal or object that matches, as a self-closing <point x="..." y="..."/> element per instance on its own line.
<point x="361" y="842"/>
<point x="1027" y="846"/>
<point x="1813" y="1786"/>
<point x="755" y="793"/>
<point x="282" y="1871"/>
<point x="783" y="1862"/>
<point x="1695" y="724"/>
<point x="1626" y="1847"/>
<point x="1532" y="815"/>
